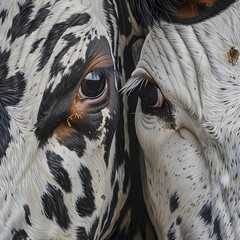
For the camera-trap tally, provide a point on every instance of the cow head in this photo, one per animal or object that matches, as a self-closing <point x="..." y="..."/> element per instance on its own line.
<point x="61" y="167"/>
<point x="187" y="123"/>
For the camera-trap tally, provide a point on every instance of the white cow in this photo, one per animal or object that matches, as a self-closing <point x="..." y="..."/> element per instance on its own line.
<point x="188" y="118"/>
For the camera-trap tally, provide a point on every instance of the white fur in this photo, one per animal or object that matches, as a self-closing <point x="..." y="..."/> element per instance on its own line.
<point x="199" y="158"/>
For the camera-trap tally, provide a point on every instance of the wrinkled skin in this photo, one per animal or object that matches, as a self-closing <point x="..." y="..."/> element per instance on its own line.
<point x="62" y="171"/>
<point x="190" y="139"/>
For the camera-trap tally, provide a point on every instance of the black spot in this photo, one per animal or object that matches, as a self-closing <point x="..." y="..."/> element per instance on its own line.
<point x="75" y="142"/>
<point x="12" y="89"/>
<point x="27" y="214"/>
<point x="11" y="92"/>
<point x="112" y="208"/>
<point x="85" y="205"/>
<point x="174" y="202"/>
<point x="19" y="235"/>
<point x="81" y="234"/>
<point x="206" y="213"/>
<point x="217" y="228"/>
<point x="35" y="45"/>
<point x="107" y="142"/>
<point x="56" y="102"/>
<point x="39" y="19"/>
<point x="57" y="66"/>
<point x="4" y="131"/>
<point x="178" y="220"/>
<point x="60" y="174"/>
<point x="56" y="32"/>
<point x="3" y="15"/>
<point x="54" y="207"/>
<point x="20" y="24"/>
<point x="171" y="233"/>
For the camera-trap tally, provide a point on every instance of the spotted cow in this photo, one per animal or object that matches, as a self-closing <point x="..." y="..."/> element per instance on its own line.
<point x="65" y="169"/>
<point x="187" y="118"/>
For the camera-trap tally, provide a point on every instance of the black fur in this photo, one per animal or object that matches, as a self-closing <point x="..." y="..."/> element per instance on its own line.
<point x="19" y="235"/>
<point x="11" y="92"/>
<point x="55" y="34"/>
<point x="149" y="11"/>
<point x="20" y="23"/>
<point x="27" y="214"/>
<point x="54" y="207"/>
<point x="85" y="206"/>
<point x="217" y="229"/>
<point x="206" y="213"/>
<point x="3" y="15"/>
<point x="59" y="173"/>
<point x="75" y="142"/>
<point x="174" y="202"/>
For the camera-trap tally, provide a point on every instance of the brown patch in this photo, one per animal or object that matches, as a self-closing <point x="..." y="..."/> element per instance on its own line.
<point x="63" y="131"/>
<point x="233" y="55"/>
<point x="189" y="8"/>
<point x="103" y="197"/>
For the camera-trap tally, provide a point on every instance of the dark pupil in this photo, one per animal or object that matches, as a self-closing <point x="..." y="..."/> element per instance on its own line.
<point x="149" y="94"/>
<point x="93" y="87"/>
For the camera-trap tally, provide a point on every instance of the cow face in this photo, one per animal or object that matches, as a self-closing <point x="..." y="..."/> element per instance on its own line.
<point x="60" y="175"/>
<point x="187" y="123"/>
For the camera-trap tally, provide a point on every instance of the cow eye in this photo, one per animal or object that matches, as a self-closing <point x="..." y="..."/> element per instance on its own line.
<point x="93" y="85"/>
<point x="150" y="95"/>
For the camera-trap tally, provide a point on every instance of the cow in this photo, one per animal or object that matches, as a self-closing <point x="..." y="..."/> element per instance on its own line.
<point x="187" y="117"/>
<point x="65" y="164"/>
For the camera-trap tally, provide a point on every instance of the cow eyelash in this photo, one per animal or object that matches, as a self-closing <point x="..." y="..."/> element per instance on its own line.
<point x="149" y="93"/>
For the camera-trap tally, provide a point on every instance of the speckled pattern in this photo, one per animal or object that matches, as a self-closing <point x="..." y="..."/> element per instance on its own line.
<point x="190" y="135"/>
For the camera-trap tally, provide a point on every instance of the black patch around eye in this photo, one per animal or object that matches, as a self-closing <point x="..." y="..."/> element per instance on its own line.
<point x="56" y="102"/>
<point x="85" y="205"/>
<point x="54" y="206"/>
<point x="61" y="176"/>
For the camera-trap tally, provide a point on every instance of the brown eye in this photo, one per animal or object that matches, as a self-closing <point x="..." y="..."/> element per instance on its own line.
<point x="93" y="85"/>
<point x="150" y="95"/>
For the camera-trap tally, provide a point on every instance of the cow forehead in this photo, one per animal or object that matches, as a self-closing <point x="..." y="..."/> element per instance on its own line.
<point x="190" y="63"/>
